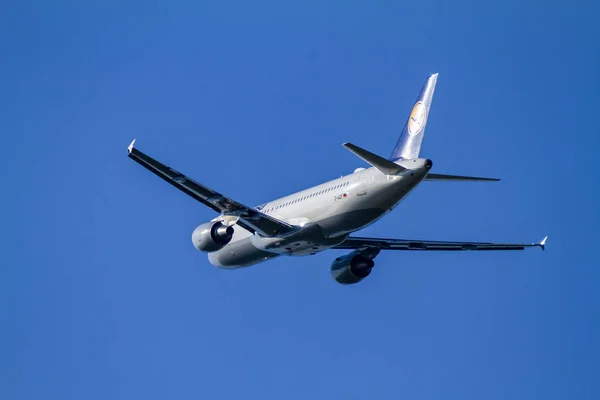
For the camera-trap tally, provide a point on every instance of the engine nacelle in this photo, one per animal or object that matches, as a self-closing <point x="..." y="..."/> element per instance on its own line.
<point x="351" y="268"/>
<point x="211" y="236"/>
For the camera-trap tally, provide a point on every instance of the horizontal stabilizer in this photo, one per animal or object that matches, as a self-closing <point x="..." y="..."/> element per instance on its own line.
<point x="383" y="165"/>
<point x="442" y="177"/>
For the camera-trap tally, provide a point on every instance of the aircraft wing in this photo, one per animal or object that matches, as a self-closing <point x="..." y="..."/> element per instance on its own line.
<point x="249" y="218"/>
<point x="407" y="244"/>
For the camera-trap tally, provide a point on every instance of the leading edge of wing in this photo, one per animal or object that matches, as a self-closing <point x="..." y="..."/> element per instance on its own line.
<point x="249" y="218"/>
<point x="407" y="244"/>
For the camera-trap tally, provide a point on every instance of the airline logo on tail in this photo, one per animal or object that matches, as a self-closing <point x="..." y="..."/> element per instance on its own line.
<point x="417" y="119"/>
<point x="408" y="145"/>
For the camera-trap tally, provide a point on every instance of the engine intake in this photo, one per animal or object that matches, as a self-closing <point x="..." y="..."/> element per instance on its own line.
<point x="212" y="236"/>
<point x="351" y="268"/>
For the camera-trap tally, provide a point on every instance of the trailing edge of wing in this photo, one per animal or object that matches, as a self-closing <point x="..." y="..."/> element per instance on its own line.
<point x="443" y="177"/>
<point x="408" y="244"/>
<point x="249" y="218"/>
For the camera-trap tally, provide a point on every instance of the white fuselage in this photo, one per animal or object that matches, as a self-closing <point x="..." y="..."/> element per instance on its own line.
<point x="325" y="215"/>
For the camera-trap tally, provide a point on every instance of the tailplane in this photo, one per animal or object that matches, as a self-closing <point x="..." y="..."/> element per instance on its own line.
<point x="444" y="177"/>
<point x="409" y="142"/>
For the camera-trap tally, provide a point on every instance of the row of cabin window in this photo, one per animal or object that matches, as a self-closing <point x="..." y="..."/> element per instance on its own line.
<point x="307" y="197"/>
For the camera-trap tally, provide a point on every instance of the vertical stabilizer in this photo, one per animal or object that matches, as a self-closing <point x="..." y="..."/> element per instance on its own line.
<point x="409" y="142"/>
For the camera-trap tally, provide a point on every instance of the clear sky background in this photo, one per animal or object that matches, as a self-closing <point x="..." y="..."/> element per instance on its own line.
<point x="103" y="296"/>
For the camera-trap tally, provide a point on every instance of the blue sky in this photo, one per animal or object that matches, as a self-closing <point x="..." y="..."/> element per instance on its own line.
<point x="104" y="296"/>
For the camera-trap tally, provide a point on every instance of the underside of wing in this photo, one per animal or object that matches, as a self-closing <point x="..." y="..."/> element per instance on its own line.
<point x="408" y="244"/>
<point x="249" y="218"/>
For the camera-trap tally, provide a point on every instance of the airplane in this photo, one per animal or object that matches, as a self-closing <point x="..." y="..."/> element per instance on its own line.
<point x="324" y="216"/>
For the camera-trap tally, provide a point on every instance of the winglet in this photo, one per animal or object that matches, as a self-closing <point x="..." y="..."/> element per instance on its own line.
<point x="130" y="147"/>
<point x="543" y="243"/>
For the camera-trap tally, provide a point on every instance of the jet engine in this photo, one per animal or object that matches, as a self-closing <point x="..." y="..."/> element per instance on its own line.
<point x="211" y="236"/>
<point x="352" y="268"/>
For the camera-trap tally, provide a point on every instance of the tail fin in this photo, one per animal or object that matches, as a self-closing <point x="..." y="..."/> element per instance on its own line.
<point x="409" y="142"/>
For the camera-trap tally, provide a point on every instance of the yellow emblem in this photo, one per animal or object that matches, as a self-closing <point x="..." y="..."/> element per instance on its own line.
<point x="417" y="119"/>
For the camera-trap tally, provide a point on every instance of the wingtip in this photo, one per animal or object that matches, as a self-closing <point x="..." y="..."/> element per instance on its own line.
<point x="130" y="147"/>
<point x="543" y="243"/>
